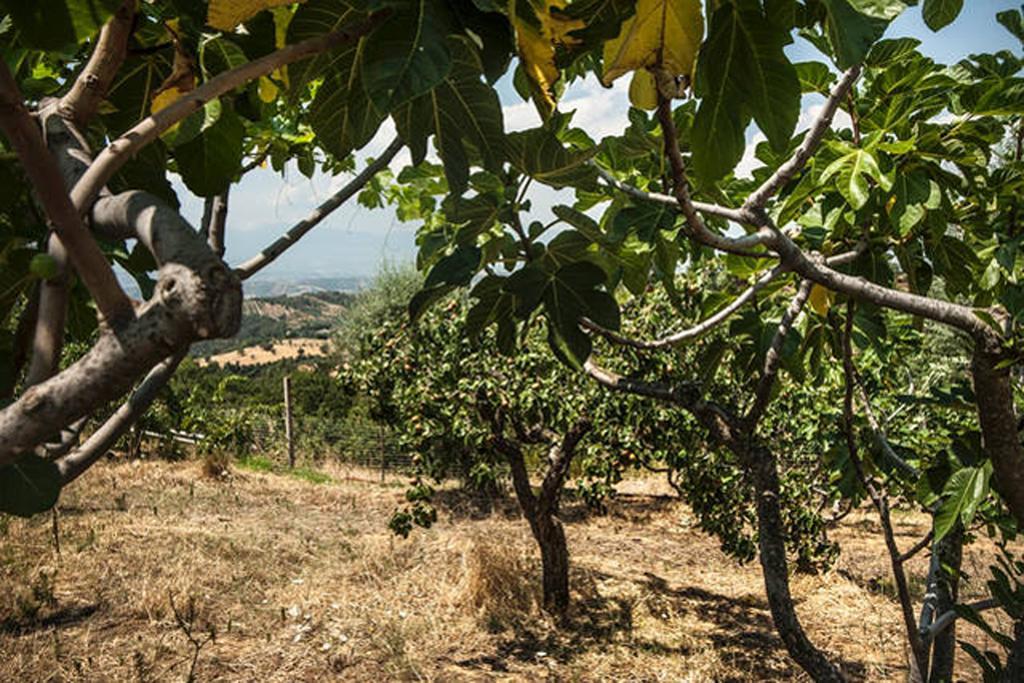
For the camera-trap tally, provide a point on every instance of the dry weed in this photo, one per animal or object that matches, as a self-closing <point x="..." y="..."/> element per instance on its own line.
<point x="302" y="581"/>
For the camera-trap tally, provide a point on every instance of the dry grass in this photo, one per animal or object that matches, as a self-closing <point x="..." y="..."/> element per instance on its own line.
<point x="301" y="581"/>
<point x="285" y="349"/>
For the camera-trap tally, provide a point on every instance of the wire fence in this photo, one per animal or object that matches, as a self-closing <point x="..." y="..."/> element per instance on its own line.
<point x="366" y="445"/>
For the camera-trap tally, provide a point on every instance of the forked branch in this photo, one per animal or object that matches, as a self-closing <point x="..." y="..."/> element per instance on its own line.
<point x="42" y="171"/>
<point x="125" y="147"/>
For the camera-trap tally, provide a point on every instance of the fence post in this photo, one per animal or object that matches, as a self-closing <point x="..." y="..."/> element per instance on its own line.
<point x="288" y="421"/>
<point x="383" y="455"/>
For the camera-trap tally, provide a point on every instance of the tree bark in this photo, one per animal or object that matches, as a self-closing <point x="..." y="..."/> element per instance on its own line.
<point x="994" y="396"/>
<point x="541" y="510"/>
<point x="761" y="464"/>
<point x="547" y="531"/>
<point x="947" y="591"/>
<point x="1014" y="672"/>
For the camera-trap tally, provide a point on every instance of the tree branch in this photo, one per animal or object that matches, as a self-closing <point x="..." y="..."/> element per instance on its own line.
<point x="697" y="229"/>
<point x="735" y="215"/>
<point x="879" y="433"/>
<point x="42" y="171"/>
<point x="706" y="325"/>
<point x="1001" y="440"/>
<point x="98" y="444"/>
<point x="125" y="147"/>
<point x="947" y="618"/>
<point x="919" y="664"/>
<point x="812" y="139"/>
<point x="268" y="255"/>
<point x="92" y="84"/>
<point x="772" y="359"/>
<point x="917" y="547"/>
<point x="954" y="315"/>
<point x="48" y="336"/>
<point x="559" y="459"/>
<point x="215" y="216"/>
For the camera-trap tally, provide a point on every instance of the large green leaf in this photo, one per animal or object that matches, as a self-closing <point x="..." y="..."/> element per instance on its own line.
<point x="852" y="33"/>
<point x="29" y="486"/>
<point x="341" y="115"/>
<point x="851" y="172"/>
<point x="209" y="162"/>
<point x="474" y="215"/>
<point x="1013" y="21"/>
<point x="464" y="116"/>
<point x="494" y="304"/>
<point x="540" y="154"/>
<point x="316" y="18"/>
<point x="941" y="13"/>
<point x="457" y="268"/>
<point x="407" y="55"/>
<point x="53" y="24"/>
<point x="572" y="293"/>
<point x="742" y="70"/>
<point x="966" y="489"/>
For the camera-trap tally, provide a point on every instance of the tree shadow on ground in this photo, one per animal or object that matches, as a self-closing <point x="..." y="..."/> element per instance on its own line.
<point x="743" y="633"/>
<point x="65" y="616"/>
<point x="461" y="504"/>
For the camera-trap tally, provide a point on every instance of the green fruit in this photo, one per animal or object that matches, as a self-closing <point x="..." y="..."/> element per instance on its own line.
<point x="43" y="266"/>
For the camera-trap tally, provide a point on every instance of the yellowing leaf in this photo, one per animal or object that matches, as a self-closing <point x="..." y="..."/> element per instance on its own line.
<point x="227" y="14"/>
<point x="267" y="90"/>
<point x="821" y="299"/>
<point x="663" y="36"/>
<point x="643" y="91"/>
<point x="162" y="99"/>
<point x="538" y="34"/>
<point x="180" y="81"/>
<point x="282" y="19"/>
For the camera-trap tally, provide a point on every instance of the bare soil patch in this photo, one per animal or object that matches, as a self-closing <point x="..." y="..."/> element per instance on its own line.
<point x="264" y="354"/>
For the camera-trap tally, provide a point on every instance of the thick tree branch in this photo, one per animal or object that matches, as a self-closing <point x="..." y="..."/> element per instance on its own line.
<point x="268" y="255"/>
<point x="560" y="458"/>
<point x="99" y="442"/>
<point x="125" y="147"/>
<point x="955" y="315"/>
<point x="92" y="266"/>
<point x="812" y="139"/>
<point x="196" y="297"/>
<point x="994" y="395"/>
<point x="91" y="86"/>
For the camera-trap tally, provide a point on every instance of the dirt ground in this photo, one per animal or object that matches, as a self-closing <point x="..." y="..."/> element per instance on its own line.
<point x="162" y="571"/>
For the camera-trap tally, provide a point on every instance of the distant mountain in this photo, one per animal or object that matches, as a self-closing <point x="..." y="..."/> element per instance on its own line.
<point x="268" y="319"/>
<point x="263" y="287"/>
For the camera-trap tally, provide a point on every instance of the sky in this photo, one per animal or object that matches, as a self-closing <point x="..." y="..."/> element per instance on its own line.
<point x="355" y="241"/>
